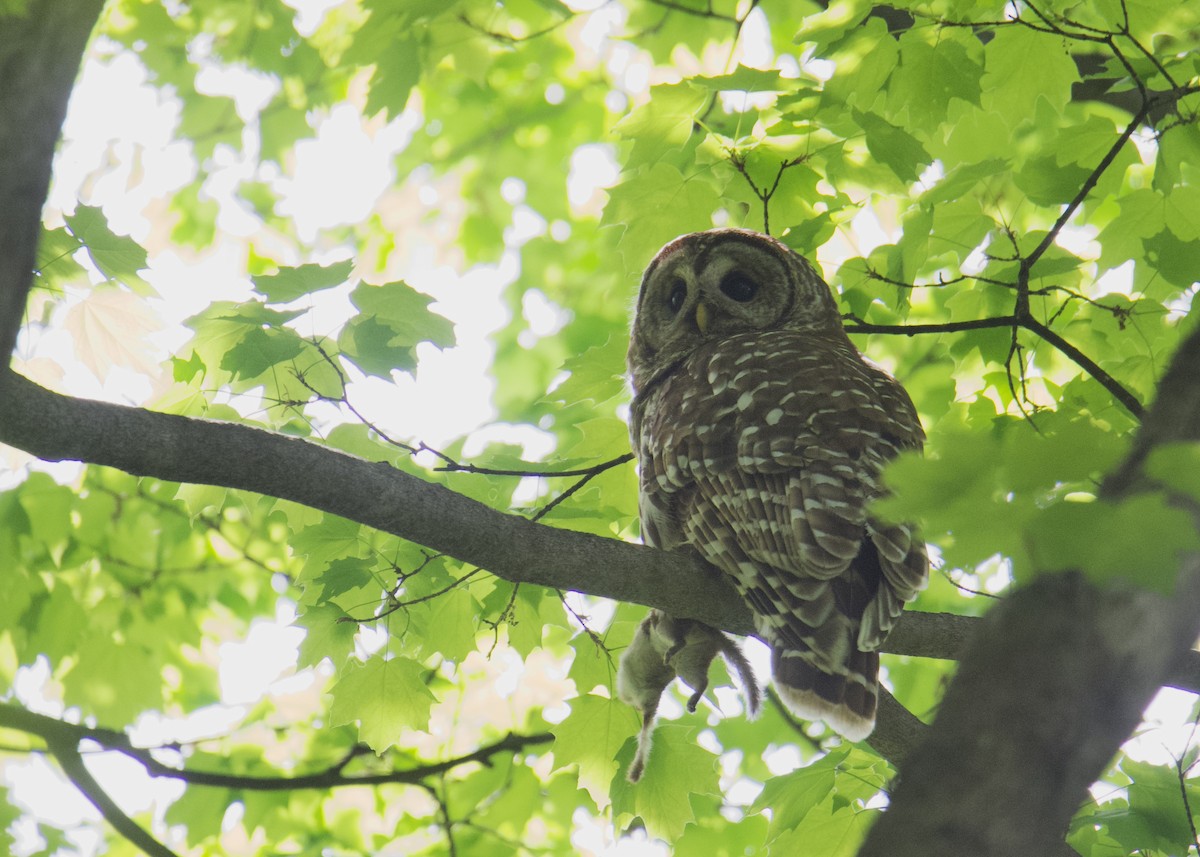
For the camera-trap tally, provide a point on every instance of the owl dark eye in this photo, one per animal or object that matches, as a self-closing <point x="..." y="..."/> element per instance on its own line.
<point x="739" y="287"/>
<point x="677" y="295"/>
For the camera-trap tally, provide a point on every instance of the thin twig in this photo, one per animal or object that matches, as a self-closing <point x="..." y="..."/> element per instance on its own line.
<point x="857" y="325"/>
<point x="764" y="195"/>
<point x="1187" y="804"/>
<point x="453" y="466"/>
<point x="942" y="282"/>
<point x="449" y="464"/>
<point x="505" y="38"/>
<point x="62" y="737"/>
<point x="1087" y="364"/>
<point x="699" y="13"/>
<point x="584" y="480"/>
<point x="439" y="797"/>
<point x="1088" y="183"/>
<point x="400" y="605"/>
<point x="1015" y="353"/>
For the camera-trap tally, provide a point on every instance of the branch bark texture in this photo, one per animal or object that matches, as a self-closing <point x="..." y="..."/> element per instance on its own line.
<point x="40" y="52"/>
<point x="182" y="449"/>
<point x="1051" y="682"/>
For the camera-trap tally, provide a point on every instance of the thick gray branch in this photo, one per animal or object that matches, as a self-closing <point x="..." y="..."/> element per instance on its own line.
<point x="39" y="57"/>
<point x="1052" y="681"/>
<point x="182" y="449"/>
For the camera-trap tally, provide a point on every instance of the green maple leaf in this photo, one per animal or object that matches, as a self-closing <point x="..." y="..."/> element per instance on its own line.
<point x="453" y="619"/>
<point x="118" y="257"/>
<point x="892" y="145"/>
<point x="384" y="697"/>
<point x="677" y="769"/>
<point x="327" y="636"/>
<point x="291" y="283"/>
<point x="393" y="318"/>
<point x="1022" y="66"/>
<point x="590" y="737"/>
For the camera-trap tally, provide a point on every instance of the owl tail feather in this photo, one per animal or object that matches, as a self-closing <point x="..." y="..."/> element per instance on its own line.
<point x="846" y="702"/>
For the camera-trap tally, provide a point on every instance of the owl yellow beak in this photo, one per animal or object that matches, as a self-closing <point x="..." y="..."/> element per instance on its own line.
<point x="702" y="316"/>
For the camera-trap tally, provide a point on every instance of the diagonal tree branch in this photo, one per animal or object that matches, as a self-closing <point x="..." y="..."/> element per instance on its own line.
<point x="1022" y="317"/>
<point x="897" y="732"/>
<point x="40" y="51"/>
<point x="1087" y="364"/>
<point x="1052" y="681"/>
<point x="62" y="740"/>
<point x="181" y="449"/>
<point x="71" y="761"/>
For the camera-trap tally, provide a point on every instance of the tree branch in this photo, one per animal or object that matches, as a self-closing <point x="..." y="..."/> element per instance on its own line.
<point x="1023" y="318"/>
<point x="40" y="51"/>
<point x="857" y="325"/>
<point x="674" y="6"/>
<point x="63" y="738"/>
<point x="1087" y="364"/>
<point x="897" y="730"/>
<point x="181" y="449"/>
<point x="332" y="777"/>
<point x="71" y="761"/>
<point x="1052" y="681"/>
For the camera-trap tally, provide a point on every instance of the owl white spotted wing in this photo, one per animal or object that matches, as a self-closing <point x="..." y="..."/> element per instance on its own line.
<point x="768" y="448"/>
<point x="761" y="434"/>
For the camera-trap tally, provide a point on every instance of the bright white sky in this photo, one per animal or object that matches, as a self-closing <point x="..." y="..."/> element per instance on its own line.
<point x="118" y="122"/>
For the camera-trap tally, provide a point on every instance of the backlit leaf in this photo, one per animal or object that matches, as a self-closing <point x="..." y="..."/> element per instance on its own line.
<point x="384" y="697"/>
<point x="288" y="284"/>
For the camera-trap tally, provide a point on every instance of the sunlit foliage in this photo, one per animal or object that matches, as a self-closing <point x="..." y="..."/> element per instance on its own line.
<point x="1003" y="195"/>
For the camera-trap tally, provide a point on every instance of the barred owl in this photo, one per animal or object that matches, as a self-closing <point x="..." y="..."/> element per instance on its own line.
<point x="761" y="433"/>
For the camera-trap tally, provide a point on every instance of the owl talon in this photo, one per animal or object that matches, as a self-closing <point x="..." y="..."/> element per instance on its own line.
<point x="665" y="648"/>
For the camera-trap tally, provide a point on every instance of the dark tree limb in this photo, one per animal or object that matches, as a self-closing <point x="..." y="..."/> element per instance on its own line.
<point x="1087" y="364"/>
<point x="182" y="449"/>
<point x="71" y="761"/>
<point x="40" y="52"/>
<point x="1022" y="318"/>
<point x="63" y="739"/>
<point x="1052" y="681"/>
<point x="897" y="731"/>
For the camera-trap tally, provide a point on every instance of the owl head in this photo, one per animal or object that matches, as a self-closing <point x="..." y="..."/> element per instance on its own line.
<point x="711" y="285"/>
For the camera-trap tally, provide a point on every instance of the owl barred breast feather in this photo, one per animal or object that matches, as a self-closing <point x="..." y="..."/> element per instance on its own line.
<point x="761" y="433"/>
